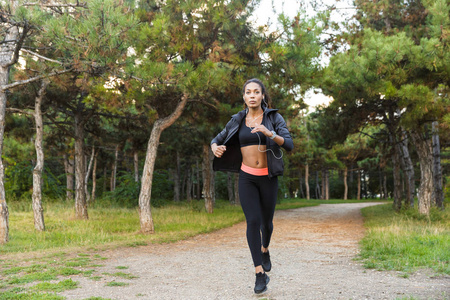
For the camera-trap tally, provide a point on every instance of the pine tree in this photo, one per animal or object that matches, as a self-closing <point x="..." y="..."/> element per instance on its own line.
<point x="397" y="74"/>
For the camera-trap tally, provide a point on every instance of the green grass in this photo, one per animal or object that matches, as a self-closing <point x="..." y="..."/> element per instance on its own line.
<point x="122" y="275"/>
<point x="35" y="276"/>
<point x="406" y="241"/>
<point x="11" y="295"/>
<point x="95" y="278"/>
<point x="116" y="283"/>
<point x="61" y="286"/>
<point x="113" y="226"/>
<point x="41" y="270"/>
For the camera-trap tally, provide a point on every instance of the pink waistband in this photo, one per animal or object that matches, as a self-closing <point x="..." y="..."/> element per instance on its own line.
<point x="255" y="171"/>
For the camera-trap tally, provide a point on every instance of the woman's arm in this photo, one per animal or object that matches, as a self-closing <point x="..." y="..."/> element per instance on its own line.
<point x="217" y="146"/>
<point x="282" y="130"/>
<point x="263" y="129"/>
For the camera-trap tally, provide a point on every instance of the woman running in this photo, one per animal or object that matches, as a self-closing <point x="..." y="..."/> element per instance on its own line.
<point x="250" y="144"/>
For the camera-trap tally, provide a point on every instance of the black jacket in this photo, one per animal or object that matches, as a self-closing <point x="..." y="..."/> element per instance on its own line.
<point x="231" y="160"/>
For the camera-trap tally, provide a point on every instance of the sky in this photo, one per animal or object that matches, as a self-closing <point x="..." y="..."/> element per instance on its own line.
<point x="264" y="14"/>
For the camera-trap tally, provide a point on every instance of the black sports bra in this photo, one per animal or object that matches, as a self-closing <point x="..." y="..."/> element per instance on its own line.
<point x="246" y="138"/>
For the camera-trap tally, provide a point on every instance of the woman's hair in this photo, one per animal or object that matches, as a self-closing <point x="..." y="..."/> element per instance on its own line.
<point x="267" y="99"/>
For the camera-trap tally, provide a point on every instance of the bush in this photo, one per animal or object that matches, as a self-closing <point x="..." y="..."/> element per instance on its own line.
<point x="127" y="190"/>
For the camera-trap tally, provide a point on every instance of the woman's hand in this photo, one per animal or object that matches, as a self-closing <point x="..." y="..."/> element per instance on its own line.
<point x="261" y="128"/>
<point x="218" y="151"/>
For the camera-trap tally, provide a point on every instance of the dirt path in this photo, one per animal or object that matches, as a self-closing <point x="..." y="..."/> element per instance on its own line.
<point x="312" y="255"/>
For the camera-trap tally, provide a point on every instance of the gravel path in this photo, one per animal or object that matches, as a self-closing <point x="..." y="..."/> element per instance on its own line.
<point x="312" y="250"/>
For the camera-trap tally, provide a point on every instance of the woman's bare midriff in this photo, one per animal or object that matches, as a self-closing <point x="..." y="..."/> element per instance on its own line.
<point x="253" y="157"/>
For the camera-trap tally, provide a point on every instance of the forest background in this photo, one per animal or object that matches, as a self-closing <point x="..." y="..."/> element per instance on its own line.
<point x="115" y="102"/>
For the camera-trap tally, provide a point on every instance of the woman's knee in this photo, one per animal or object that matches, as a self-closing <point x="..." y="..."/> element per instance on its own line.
<point x="268" y="227"/>
<point x="253" y="222"/>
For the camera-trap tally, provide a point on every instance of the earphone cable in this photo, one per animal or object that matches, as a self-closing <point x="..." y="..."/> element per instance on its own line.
<point x="259" y="138"/>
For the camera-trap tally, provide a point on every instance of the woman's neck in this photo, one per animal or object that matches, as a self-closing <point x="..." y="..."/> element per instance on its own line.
<point x="255" y="112"/>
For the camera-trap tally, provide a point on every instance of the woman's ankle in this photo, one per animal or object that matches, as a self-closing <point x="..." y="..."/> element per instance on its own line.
<point x="259" y="269"/>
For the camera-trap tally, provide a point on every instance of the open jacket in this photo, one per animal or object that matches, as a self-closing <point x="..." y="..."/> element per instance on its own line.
<point x="231" y="160"/>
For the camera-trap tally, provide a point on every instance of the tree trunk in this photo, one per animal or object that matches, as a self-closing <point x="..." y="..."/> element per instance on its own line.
<point x="351" y="177"/>
<point x="207" y="178"/>
<point x="397" y="182"/>
<point x="69" y="166"/>
<point x="8" y="50"/>
<point x="145" y="214"/>
<point x="307" y="181"/>
<point x="396" y="161"/>
<point x="38" y="211"/>
<point x="317" y="189"/>
<point x="183" y="184"/>
<point x="105" y="178"/>
<point x="386" y="194"/>
<point x="437" y="169"/>
<point x="189" y="174"/>
<point x="380" y="182"/>
<point x="396" y="158"/>
<point x="176" y="179"/>
<point x="327" y="184"/>
<point x="111" y="178"/>
<point x="136" y="165"/>
<point x="80" y="169"/>
<point x="300" y="184"/>
<point x="230" y="183"/>
<point x="423" y="148"/>
<point x="4" y="214"/>
<point x="408" y="169"/>
<point x="345" y="183"/>
<point x="290" y="184"/>
<point x="114" y="168"/>
<point x="363" y="184"/>
<point x="324" y="182"/>
<point x="198" y="179"/>
<point x="358" y="195"/>
<point x="94" y="178"/>
<point x="88" y="173"/>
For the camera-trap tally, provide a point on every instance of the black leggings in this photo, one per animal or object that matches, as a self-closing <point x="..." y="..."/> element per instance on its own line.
<point x="258" y="196"/>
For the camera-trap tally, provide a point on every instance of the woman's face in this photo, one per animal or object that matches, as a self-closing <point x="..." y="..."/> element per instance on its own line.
<point x="253" y="95"/>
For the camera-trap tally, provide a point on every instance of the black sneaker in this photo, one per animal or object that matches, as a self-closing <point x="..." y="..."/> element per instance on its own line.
<point x="266" y="264"/>
<point x="261" y="283"/>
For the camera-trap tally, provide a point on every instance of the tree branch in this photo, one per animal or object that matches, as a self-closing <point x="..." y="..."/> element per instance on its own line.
<point x="113" y="116"/>
<point x="42" y="57"/>
<point x="58" y="124"/>
<point x="18" y="110"/>
<point x="74" y="5"/>
<point x="204" y="103"/>
<point x="29" y="80"/>
<point x="168" y="121"/>
<point x="369" y="135"/>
